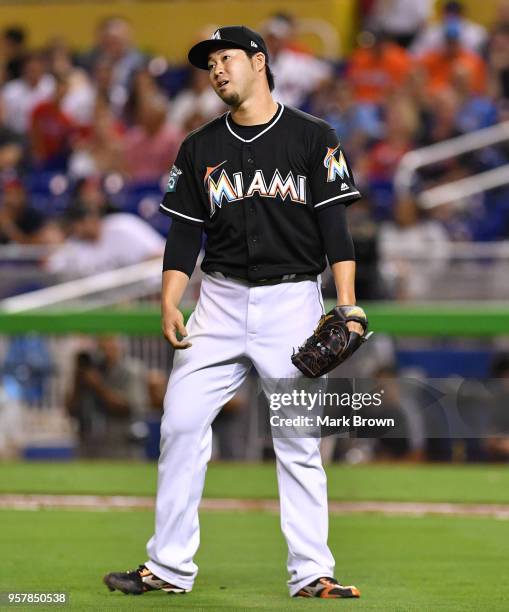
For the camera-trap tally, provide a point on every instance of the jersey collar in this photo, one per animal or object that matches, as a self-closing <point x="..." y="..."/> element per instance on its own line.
<point x="271" y="124"/>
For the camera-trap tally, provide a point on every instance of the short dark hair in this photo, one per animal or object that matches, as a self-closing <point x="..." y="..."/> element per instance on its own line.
<point x="268" y="71"/>
<point x="453" y="7"/>
<point x="500" y="365"/>
<point x="14" y="34"/>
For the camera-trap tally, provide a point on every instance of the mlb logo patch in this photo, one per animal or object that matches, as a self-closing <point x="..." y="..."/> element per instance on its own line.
<point x="173" y="179"/>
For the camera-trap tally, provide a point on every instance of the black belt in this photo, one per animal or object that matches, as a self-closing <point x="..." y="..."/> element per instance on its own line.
<point x="275" y="280"/>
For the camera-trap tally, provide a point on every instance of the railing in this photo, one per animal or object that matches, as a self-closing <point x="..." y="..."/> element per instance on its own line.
<point x="135" y="283"/>
<point x="447" y="271"/>
<point x="454" y="190"/>
<point x="23" y="252"/>
<point x="109" y="288"/>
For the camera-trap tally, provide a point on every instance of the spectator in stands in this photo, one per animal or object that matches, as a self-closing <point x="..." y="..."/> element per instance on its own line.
<point x="377" y="68"/>
<point x="288" y="25"/>
<point x="150" y="148"/>
<point x="79" y="100"/>
<point x="440" y="65"/>
<point x="11" y="148"/>
<point x="51" y="130"/>
<point x="297" y="75"/>
<point x="401" y="20"/>
<point x="502" y="14"/>
<point x="197" y="99"/>
<point x="12" y="51"/>
<point x="475" y="111"/>
<point x="404" y="245"/>
<point x="19" y="97"/>
<point x="98" y="244"/>
<point x="143" y="89"/>
<point x="472" y="36"/>
<point x="107" y="397"/>
<point x="102" y="81"/>
<point x="19" y="223"/>
<point x="98" y="150"/>
<point x="416" y="92"/>
<point x="400" y="127"/>
<point x="355" y="124"/>
<point x="114" y="44"/>
<point x="89" y="193"/>
<point x="443" y="124"/>
<point x="498" y="62"/>
<point x="445" y="107"/>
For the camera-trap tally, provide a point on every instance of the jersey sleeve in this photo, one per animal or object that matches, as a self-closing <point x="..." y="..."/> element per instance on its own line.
<point x="331" y="178"/>
<point x="182" y="199"/>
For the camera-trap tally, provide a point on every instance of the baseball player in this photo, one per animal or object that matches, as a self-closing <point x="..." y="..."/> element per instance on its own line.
<point x="268" y="185"/>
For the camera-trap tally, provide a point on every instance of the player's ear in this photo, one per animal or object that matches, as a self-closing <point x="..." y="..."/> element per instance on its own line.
<point x="258" y="60"/>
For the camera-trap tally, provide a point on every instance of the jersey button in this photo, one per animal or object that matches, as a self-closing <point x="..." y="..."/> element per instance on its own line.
<point x="250" y="160"/>
<point x="253" y="268"/>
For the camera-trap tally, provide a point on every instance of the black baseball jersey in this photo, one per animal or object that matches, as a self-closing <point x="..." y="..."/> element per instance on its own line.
<point x="256" y="191"/>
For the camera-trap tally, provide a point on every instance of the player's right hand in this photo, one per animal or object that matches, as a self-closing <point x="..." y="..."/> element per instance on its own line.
<point x="172" y="323"/>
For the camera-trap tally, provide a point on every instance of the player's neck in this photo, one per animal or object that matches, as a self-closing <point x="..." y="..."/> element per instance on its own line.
<point x="255" y="110"/>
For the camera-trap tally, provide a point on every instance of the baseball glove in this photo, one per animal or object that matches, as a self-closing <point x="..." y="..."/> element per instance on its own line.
<point x="332" y="342"/>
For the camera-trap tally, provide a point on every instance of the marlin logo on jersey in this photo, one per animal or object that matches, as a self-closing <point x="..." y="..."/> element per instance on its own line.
<point x="220" y="186"/>
<point x="335" y="167"/>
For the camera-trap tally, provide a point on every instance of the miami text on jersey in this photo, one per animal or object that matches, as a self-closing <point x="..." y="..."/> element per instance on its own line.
<point x="219" y="185"/>
<point x="336" y="167"/>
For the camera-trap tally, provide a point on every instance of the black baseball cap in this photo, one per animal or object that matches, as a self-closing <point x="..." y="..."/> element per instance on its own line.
<point x="230" y="37"/>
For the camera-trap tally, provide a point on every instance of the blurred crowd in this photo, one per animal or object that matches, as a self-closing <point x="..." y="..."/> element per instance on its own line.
<point x="95" y="132"/>
<point x="87" y="139"/>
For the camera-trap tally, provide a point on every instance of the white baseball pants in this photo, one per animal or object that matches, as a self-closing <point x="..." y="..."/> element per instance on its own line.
<point x="233" y="327"/>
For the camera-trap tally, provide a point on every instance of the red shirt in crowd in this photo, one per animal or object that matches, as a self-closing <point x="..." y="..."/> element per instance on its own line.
<point x="147" y="157"/>
<point x="51" y="131"/>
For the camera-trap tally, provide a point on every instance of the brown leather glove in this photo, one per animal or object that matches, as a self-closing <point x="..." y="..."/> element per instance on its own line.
<point x="332" y="342"/>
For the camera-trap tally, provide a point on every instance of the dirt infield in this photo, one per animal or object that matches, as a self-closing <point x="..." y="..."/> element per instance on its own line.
<point x="122" y="502"/>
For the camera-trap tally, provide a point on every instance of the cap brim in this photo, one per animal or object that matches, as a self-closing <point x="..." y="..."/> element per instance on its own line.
<point x="199" y="54"/>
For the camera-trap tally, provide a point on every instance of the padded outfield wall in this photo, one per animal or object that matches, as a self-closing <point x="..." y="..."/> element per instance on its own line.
<point x="168" y="27"/>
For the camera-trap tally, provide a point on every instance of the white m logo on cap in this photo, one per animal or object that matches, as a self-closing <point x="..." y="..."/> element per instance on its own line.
<point x="217" y="35"/>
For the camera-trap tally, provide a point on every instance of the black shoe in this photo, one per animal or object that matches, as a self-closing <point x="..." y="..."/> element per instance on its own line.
<point x="328" y="588"/>
<point x="139" y="581"/>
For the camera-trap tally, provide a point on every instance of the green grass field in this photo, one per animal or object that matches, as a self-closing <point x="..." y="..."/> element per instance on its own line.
<point x="426" y="483"/>
<point x="428" y="563"/>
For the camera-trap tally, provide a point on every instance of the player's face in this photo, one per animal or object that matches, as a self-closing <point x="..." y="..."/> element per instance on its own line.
<point x="232" y="75"/>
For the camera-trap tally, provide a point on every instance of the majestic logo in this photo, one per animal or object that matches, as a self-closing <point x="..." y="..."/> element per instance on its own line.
<point x="173" y="178"/>
<point x="216" y="35"/>
<point x="219" y="186"/>
<point x="335" y="167"/>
